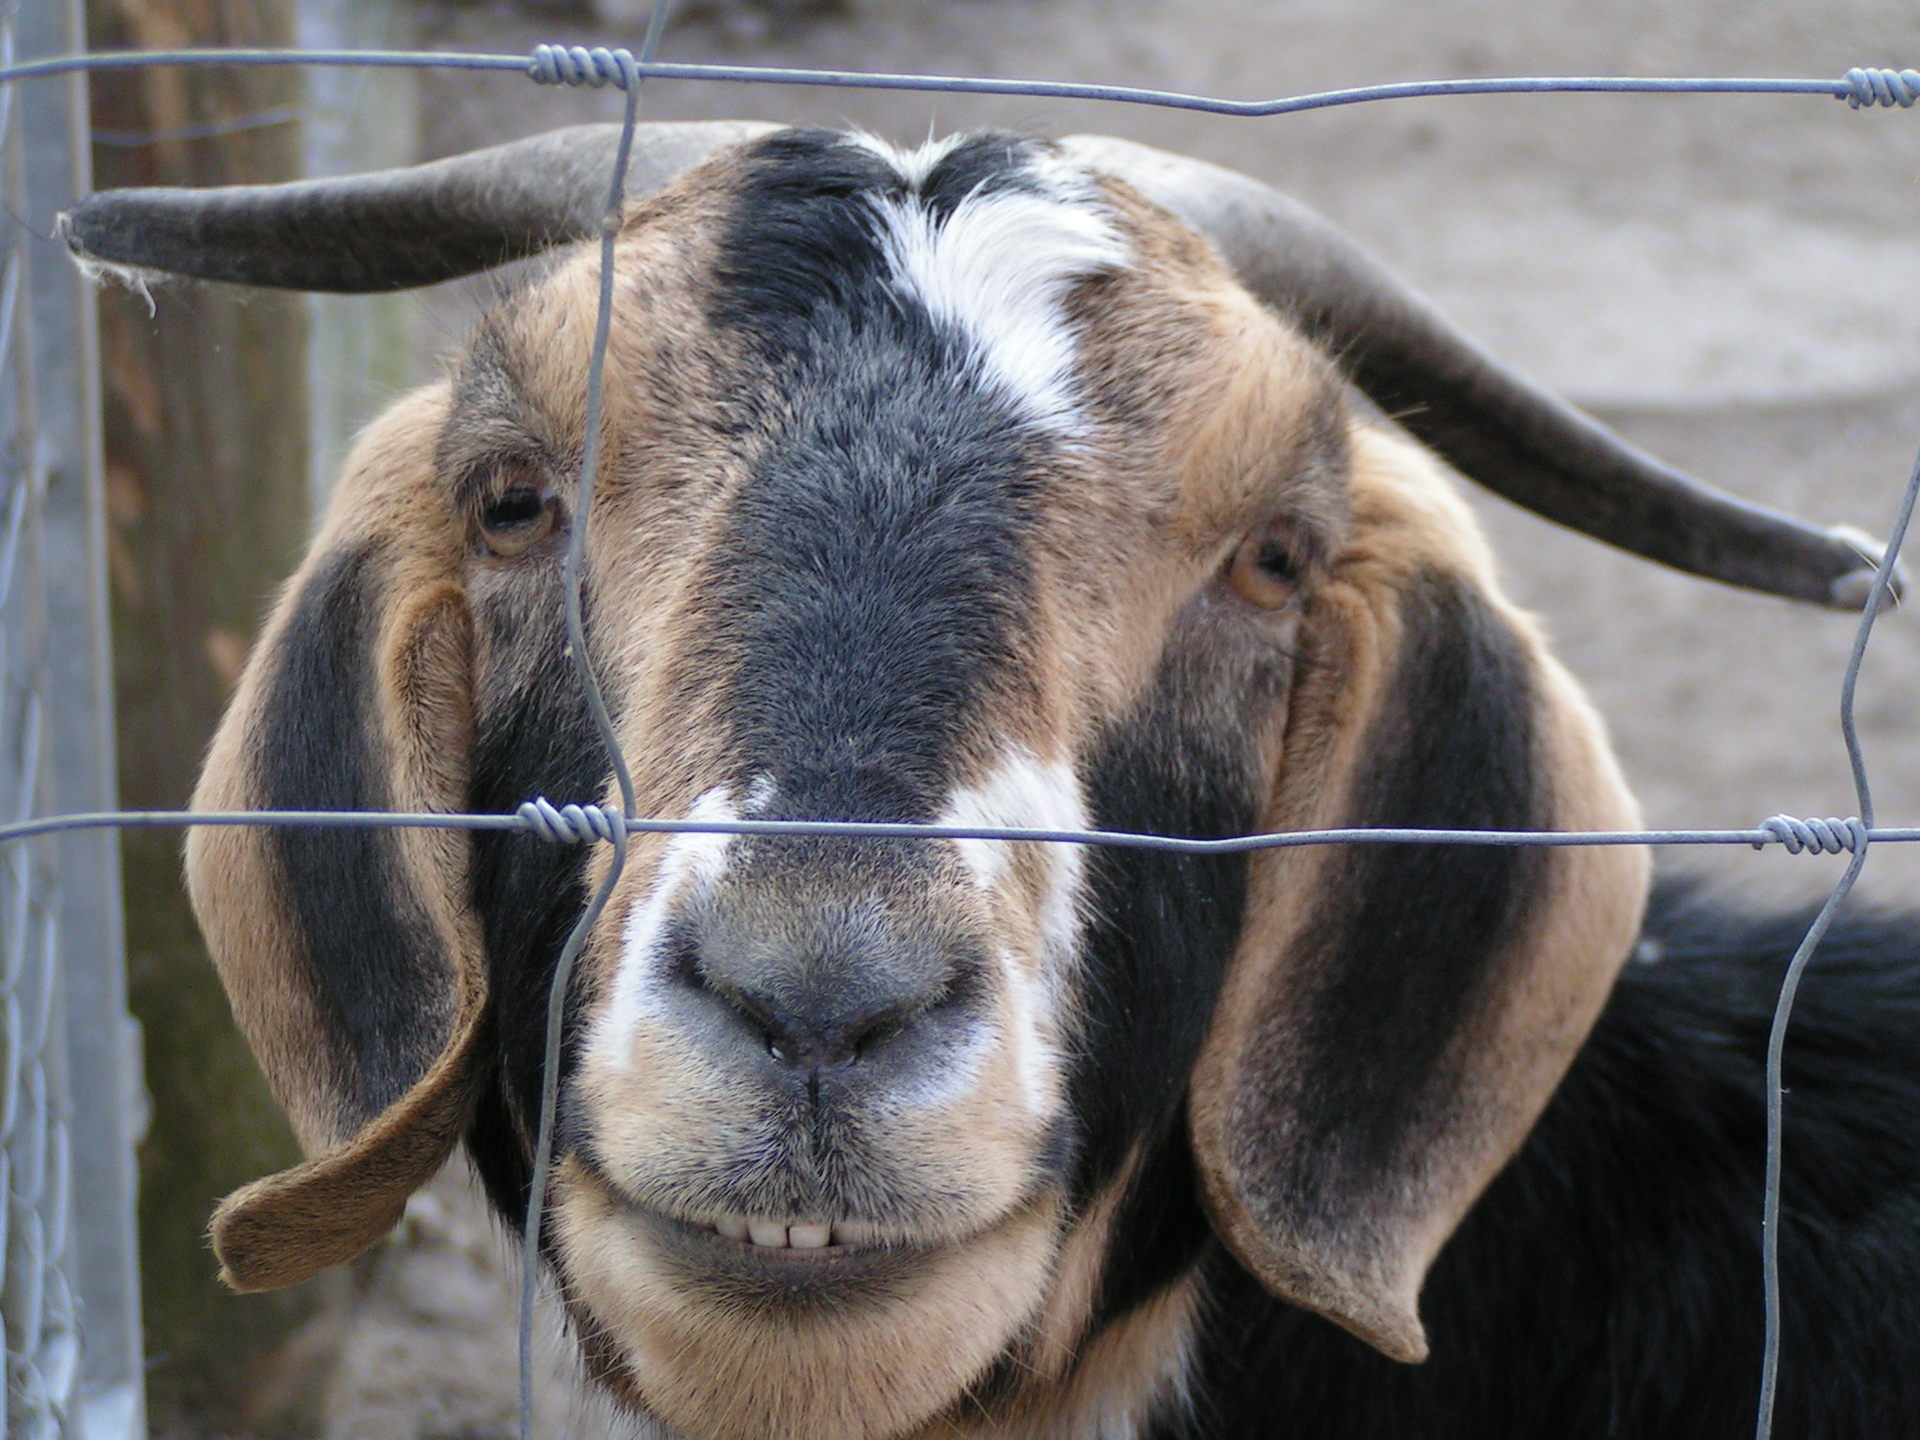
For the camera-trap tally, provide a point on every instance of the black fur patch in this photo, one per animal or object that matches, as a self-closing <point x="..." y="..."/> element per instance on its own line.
<point x="804" y="242"/>
<point x="1608" y="1283"/>
<point x="872" y="585"/>
<point x="1165" y="928"/>
<point x="378" y="974"/>
<point x="1406" y="936"/>
<point x="534" y="737"/>
<point x="1166" y="924"/>
<point x="1162" y="1228"/>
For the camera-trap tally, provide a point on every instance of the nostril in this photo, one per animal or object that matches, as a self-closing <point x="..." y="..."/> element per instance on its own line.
<point x="875" y="1030"/>
<point x="804" y="1049"/>
<point x="798" y="1041"/>
<point x="820" y="1042"/>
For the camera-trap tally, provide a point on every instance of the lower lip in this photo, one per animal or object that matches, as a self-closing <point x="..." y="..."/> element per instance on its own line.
<point x="703" y="1256"/>
<point x="788" y="1277"/>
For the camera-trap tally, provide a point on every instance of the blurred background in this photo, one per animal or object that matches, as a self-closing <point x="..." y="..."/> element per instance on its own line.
<point x="1731" y="282"/>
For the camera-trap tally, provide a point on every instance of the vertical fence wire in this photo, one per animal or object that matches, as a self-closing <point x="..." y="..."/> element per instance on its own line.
<point x="37" y="1312"/>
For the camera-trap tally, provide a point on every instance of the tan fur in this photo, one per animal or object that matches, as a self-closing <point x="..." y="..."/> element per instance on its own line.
<point x="1197" y="442"/>
<point x="1131" y="1372"/>
<point x="287" y="1227"/>
<point x="1099" y="1387"/>
<point x="231" y="873"/>
<point x="1366" y="1271"/>
<point x="852" y="1371"/>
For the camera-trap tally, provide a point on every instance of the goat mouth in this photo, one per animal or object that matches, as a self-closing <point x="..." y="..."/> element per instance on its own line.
<point x="836" y="1259"/>
<point x="802" y="1237"/>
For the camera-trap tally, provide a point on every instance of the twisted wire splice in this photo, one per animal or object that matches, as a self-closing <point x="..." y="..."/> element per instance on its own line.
<point x="570" y="824"/>
<point x="1822" y="837"/>
<point x="1869" y="86"/>
<point x="597" y="67"/>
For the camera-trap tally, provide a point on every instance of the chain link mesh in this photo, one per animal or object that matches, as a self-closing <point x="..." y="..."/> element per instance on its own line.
<point x="37" y="1310"/>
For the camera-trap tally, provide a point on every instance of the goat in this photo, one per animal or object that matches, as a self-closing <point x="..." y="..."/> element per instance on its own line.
<point x="1001" y="483"/>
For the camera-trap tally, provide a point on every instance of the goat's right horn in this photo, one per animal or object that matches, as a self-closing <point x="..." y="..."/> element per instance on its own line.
<point x="1489" y="423"/>
<point x="391" y="229"/>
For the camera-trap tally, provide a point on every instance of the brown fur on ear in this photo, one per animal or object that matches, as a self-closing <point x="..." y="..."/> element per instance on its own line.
<point x="1396" y="1017"/>
<point x="288" y="1227"/>
<point x="351" y="957"/>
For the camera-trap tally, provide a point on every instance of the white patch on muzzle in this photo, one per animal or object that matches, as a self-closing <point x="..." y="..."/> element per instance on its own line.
<point x="638" y="981"/>
<point x="1025" y="793"/>
<point x="1021" y="793"/>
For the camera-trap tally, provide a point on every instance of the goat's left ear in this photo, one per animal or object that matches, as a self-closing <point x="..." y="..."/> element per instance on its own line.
<point x="1397" y="1016"/>
<point x="351" y="956"/>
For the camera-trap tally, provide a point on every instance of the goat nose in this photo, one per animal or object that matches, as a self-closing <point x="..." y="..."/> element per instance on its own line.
<point x="825" y="1040"/>
<point x="818" y="1019"/>
<point x="826" y="991"/>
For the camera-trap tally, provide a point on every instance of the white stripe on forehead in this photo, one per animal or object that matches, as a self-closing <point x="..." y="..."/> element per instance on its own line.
<point x="999" y="270"/>
<point x="913" y="166"/>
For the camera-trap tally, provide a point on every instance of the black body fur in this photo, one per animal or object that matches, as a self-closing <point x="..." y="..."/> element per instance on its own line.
<point x="1608" y="1283"/>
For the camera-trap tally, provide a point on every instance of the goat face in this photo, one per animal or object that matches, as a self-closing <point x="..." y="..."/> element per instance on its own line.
<point x="959" y="486"/>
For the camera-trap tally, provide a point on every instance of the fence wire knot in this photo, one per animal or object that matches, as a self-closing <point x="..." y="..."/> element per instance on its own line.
<point x="1867" y="87"/>
<point x="571" y="824"/>
<point x="1822" y="837"/>
<point x="600" y="67"/>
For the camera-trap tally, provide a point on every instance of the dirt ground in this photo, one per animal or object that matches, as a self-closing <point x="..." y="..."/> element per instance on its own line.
<point x="1731" y="282"/>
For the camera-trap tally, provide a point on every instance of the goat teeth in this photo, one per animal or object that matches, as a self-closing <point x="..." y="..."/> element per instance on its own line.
<point x="770" y="1233"/>
<point x="852" y="1232"/>
<point x="809" y="1237"/>
<point x="731" y="1226"/>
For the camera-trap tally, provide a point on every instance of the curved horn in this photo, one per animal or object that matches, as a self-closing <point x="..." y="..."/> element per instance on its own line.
<point x="1487" y="422"/>
<point x="392" y="229"/>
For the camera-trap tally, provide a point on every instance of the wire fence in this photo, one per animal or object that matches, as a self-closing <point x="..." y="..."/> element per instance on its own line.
<point x="69" y="1303"/>
<point x="36" y="1295"/>
<point x="39" y="1314"/>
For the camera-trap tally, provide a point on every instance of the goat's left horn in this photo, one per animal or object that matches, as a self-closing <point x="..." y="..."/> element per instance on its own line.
<point x="391" y="229"/>
<point x="1506" y="433"/>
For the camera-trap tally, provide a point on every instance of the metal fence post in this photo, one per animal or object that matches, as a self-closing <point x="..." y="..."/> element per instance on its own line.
<point x="72" y="1103"/>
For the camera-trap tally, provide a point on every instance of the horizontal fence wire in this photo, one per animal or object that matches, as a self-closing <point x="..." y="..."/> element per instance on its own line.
<point x="1861" y="88"/>
<point x="580" y="823"/>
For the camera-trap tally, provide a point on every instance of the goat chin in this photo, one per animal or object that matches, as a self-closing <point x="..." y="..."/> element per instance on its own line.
<point x="976" y="485"/>
<point x="715" y="1338"/>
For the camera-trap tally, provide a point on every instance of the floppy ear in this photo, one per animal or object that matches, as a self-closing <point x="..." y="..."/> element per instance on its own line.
<point x="1396" y="1016"/>
<point x="351" y="956"/>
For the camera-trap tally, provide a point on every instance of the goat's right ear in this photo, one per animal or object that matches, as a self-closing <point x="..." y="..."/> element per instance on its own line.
<point x="351" y="956"/>
<point x="1397" y="1016"/>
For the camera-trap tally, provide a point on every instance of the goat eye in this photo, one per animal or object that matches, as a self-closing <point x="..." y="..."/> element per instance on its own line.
<point x="1264" y="571"/>
<point x="518" y="520"/>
